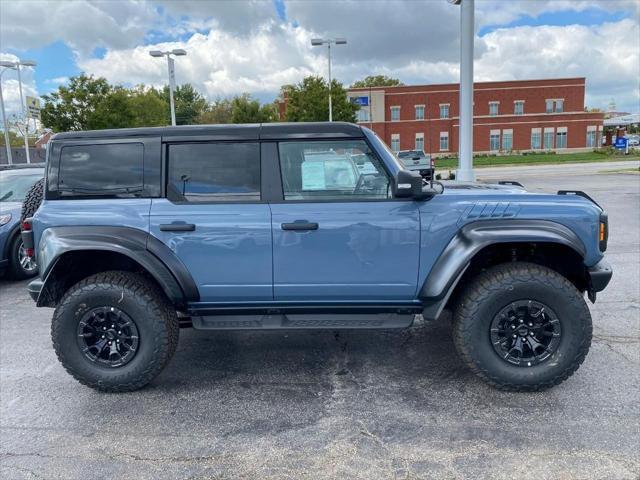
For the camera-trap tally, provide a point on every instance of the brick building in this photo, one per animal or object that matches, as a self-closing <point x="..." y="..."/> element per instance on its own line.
<point x="508" y="116"/>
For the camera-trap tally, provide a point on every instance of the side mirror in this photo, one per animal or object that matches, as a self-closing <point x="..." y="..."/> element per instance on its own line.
<point x="408" y="184"/>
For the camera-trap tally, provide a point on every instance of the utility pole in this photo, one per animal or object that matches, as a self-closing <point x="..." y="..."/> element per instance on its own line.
<point x="5" y="123"/>
<point x="465" y="171"/>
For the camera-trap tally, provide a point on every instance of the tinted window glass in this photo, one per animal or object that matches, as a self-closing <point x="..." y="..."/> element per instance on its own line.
<point x="214" y="172"/>
<point x="331" y="170"/>
<point x="114" y="168"/>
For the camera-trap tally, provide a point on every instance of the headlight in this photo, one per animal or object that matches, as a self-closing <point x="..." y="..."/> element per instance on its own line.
<point x="4" y="219"/>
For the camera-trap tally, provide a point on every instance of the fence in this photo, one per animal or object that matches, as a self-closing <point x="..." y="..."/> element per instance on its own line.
<point x="37" y="155"/>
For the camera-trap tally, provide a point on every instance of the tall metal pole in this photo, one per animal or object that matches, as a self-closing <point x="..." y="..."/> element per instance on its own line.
<point x="330" y="106"/>
<point x="7" y="139"/>
<point x="24" y="115"/>
<point x="465" y="171"/>
<point x="172" y="84"/>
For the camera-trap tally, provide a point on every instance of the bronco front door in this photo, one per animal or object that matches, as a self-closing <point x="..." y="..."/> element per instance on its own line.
<point x="338" y="235"/>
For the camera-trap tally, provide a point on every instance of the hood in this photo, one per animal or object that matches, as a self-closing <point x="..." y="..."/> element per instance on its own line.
<point x="10" y="207"/>
<point x="475" y="188"/>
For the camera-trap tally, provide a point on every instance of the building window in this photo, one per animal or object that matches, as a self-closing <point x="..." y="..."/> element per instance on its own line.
<point x="444" y="110"/>
<point x="493" y="108"/>
<point x="535" y="138"/>
<point x="591" y="137"/>
<point x="444" y="141"/>
<point x="362" y="115"/>
<point x="518" y="107"/>
<point x="419" y="112"/>
<point x="561" y="137"/>
<point x="420" y="142"/>
<point x="548" y="138"/>
<point x="395" y="142"/>
<point x="494" y="140"/>
<point x="395" y="114"/>
<point x="507" y="140"/>
<point x="554" y="105"/>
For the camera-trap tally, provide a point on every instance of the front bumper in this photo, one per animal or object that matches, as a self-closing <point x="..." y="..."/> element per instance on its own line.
<point x="34" y="288"/>
<point x="599" y="276"/>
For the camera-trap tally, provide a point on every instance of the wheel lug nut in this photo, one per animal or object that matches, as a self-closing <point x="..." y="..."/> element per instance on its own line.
<point x="514" y="335"/>
<point x="102" y="336"/>
<point x="109" y="343"/>
<point x="112" y="326"/>
<point x="521" y="321"/>
<point x="119" y="332"/>
<point x="113" y="309"/>
<point x="530" y="324"/>
<point x="104" y="328"/>
<point x="513" y="327"/>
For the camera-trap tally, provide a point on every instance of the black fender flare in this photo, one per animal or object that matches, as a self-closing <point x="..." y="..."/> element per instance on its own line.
<point x="473" y="237"/>
<point x="138" y="245"/>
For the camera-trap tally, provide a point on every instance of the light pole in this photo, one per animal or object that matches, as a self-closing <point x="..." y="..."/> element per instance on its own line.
<point x="172" y="75"/>
<point x="465" y="171"/>
<point x="5" y="123"/>
<point x="317" y="42"/>
<point x="17" y="65"/>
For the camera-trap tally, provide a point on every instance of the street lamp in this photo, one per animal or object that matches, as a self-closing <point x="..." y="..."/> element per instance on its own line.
<point x="172" y="74"/>
<point x="5" y="123"/>
<point x="318" y="42"/>
<point x="17" y="65"/>
<point x="465" y="171"/>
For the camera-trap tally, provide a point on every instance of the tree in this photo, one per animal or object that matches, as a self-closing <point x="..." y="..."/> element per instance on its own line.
<point x="72" y="107"/>
<point x="244" y="109"/>
<point x="150" y="108"/>
<point x="308" y="101"/>
<point x="189" y="103"/>
<point x="376" y="81"/>
<point x="217" y="112"/>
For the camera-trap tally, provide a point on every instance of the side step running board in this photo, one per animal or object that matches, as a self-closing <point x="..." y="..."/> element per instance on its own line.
<point x="302" y="321"/>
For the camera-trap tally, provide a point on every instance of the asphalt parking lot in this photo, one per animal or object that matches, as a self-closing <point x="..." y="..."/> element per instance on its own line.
<point x="320" y="405"/>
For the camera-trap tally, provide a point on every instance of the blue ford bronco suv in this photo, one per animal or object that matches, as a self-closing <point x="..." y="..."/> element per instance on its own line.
<point x="301" y="226"/>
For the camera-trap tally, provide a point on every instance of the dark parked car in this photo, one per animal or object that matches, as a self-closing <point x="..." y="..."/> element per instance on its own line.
<point x="301" y="226"/>
<point x="15" y="181"/>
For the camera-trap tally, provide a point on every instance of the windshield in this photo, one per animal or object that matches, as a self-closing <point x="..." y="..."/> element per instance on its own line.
<point x="13" y="188"/>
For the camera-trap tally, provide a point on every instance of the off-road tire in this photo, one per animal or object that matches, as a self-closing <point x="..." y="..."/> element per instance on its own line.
<point x="144" y="303"/>
<point x="32" y="200"/>
<point x="496" y="288"/>
<point x="16" y="271"/>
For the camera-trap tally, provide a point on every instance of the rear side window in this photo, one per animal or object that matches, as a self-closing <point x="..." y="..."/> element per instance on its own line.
<point x="214" y="172"/>
<point x="101" y="169"/>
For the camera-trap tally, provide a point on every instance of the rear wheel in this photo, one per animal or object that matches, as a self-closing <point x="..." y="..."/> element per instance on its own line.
<point x="522" y="327"/>
<point x="114" y="331"/>
<point x="21" y="265"/>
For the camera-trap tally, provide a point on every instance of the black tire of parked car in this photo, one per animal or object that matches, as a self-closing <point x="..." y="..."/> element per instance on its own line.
<point x="32" y="200"/>
<point x="493" y="291"/>
<point x="16" y="270"/>
<point x="135" y="298"/>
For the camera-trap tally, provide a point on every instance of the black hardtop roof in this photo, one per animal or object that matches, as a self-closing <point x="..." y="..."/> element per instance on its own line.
<point x="255" y="131"/>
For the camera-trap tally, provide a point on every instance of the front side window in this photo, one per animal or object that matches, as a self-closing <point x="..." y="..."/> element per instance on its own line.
<point x="493" y="108"/>
<point x="214" y="172"/>
<point x="444" y="110"/>
<point x="494" y="140"/>
<point x="419" y="112"/>
<point x="332" y="170"/>
<point x="444" y="141"/>
<point x="101" y="169"/>
<point x="395" y="114"/>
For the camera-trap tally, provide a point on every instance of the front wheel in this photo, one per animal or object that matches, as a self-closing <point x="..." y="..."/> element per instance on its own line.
<point x="114" y="331"/>
<point x="522" y="327"/>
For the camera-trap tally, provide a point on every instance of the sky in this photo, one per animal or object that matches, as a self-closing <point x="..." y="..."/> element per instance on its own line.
<point x="256" y="46"/>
